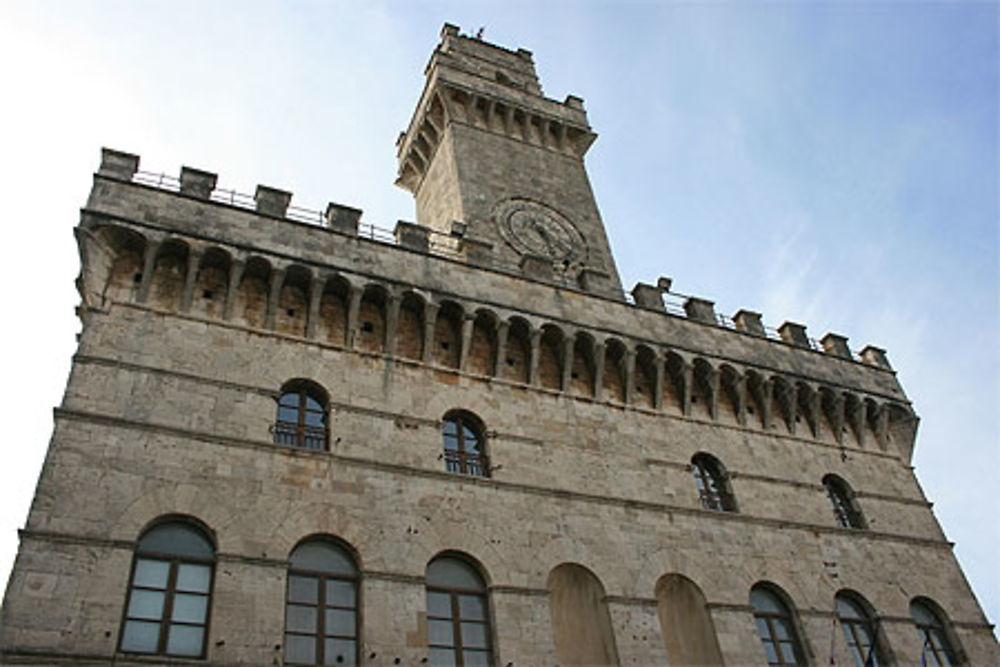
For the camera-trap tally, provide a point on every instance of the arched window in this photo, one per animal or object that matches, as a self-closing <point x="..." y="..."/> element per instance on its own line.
<point x="713" y="486"/>
<point x="464" y="445"/>
<point x="168" y="600"/>
<point x="842" y="498"/>
<point x="860" y="631"/>
<point x="458" y="619"/>
<point x="936" y="649"/>
<point x="321" y="610"/>
<point x="775" y="627"/>
<point x="301" y="420"/>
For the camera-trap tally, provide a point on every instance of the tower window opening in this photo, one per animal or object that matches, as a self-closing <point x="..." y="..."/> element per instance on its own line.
<point x="301" y="420"/>
<point x="464" y="445"/>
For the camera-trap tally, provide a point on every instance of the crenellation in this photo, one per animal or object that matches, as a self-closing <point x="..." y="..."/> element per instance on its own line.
<point x="272" y="201"/>
<point x="118" y="164"/>
<point x="700" y="310"/>
<point x="795" y="334"/>
<point x="197" y="183"/>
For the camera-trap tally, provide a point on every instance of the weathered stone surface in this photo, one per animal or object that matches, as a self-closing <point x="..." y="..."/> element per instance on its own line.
<point x="198" y="313"/>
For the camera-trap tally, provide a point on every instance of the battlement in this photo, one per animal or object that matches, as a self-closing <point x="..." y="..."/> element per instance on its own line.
<point x="200" y="185"/>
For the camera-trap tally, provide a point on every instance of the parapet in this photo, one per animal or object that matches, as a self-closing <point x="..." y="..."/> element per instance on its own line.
<point x="345" y="220"/>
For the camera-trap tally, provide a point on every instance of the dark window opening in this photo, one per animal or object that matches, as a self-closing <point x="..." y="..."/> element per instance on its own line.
<point x="301" y="420"/>
<point x="842" y="499"/>
<point x="713" y="487"/>
<point x="458" y="625"/>
<point x="464" y="445"/>
<point x="208" y="294"/>
<point x="775" y="628"/>
<point x="137" y="278"/>
<point x="367" y="327"/>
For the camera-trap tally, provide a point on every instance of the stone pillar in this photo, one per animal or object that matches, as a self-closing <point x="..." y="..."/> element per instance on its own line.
<point x="741" y="400"/>
<point x="688" y="383"/>
<point x="190" y="278"/>
<point x="148" y="268"/>
<point x="430" y="321"/>
<point x="118" y="165"/>
<point x="235" y="274"/>
<point x="813" y="412"/>
<point x="354" y="294"/>
<point x="468" y="323"/>
<point x="856" y="418"/>
<point x="599" y="371"/>
<point x="197" y="183"/>
<point x="713" y="389"/>
<point x="794" y="333"/>
<point x="767" y="403"/>
<point x="793" y="410"/>
<point x="274" y="297"/>
<point x="836" y="418"/>
<point x="503" y="329"/>
<point x="271" y="201"/>
<point x="316" y="286"/>
<point x="882" y="426"/>
<point x="750" y="322"/>
<point x="392" y="305"/>
<point x="658" y="383"/>
<point x="536" y="344"/>
<point x="629" y="363"/>
<point x="567" y="363"/>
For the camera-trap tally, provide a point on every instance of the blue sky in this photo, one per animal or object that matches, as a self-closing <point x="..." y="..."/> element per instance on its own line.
<point x="833" y="163"/>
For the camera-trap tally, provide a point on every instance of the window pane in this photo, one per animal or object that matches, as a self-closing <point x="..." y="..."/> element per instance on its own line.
<point x="189" y="608"/>
<point x="176" y="539"/>
<point x="194" y="578"/>
<point x="340" y="622"/>
<point x="151" y="573"/>
<point x="476" y="658"/>
<point x="288" y="415"/>
<point x="443" y="657"/>
<point x="453" y="573"/>
<point x="301" y="619"/>
<point x="440" y="633"/>
<point x="471" y="606"/>
<point x="340" y="652"/>
<point x="450" y="429"/>
<point x="146" y="604"/>
<point x="300" y="650"/>
<point x="185" y="640"/>
<point x="762" y="630"/>
<point x="315" y="419"/>
<point x="313" y="405"/>
<point x="303" y="589"/>
<point x="322" y="556"/>
<point x="788" y="653"/>
<point x="438" y="604"/>
<point x="290" y="399"/>
<point x="474" y="635"/>
<point x="772" y="656"/>
<point x="450" y="443"/>
<point x="765" y="601"/>
<point x="340" y="593"/>
<point x="782" y="629"/>
<point x="140" y="637"/>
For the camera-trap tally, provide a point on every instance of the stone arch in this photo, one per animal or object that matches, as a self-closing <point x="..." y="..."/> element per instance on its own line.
<point x="370" y="334"/>
<point x="448" y="334"/>
<point x="613" y="382"/>
<point x="517" y="355"/>
<point x="675" y="386"/>
<point x="646" y="377"/>
<point x="685" y="622"/>
<point x="806" y="412"/>
<point x="123" y="263"/>
<point x="250" y="307"/>
<point x="731" y="395"/>
<point x="550" y="357"/>
<point x="169" y="272"/>
<point x="410" y="326"/>
<point x="581" y="622"/>
<point x="830" y="422"/>
<point x="212" y="283"/>
<point x="704" y="389"/>
<point x="785" y="401"/>
<point x="293" y="301"/>
<point x="854" y="417"/>
<point x="333" y="305"/>
<point x="581" y="377"/>
<point x="758" y="408"/>
<point x="483" y="344"/>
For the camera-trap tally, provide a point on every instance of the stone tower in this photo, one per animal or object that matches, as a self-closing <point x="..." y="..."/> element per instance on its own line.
<point x="490" y="158"/>
<point x="291" y="438"/>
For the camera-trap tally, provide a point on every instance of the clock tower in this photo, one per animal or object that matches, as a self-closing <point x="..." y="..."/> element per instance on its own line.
<point x="495" y="163"/>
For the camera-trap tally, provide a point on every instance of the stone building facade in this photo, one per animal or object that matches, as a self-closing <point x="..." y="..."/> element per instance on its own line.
<point x="290" y="439"/>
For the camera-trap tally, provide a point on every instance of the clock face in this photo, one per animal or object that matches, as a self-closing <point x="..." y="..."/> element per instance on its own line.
<point x="536" y="229"/>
